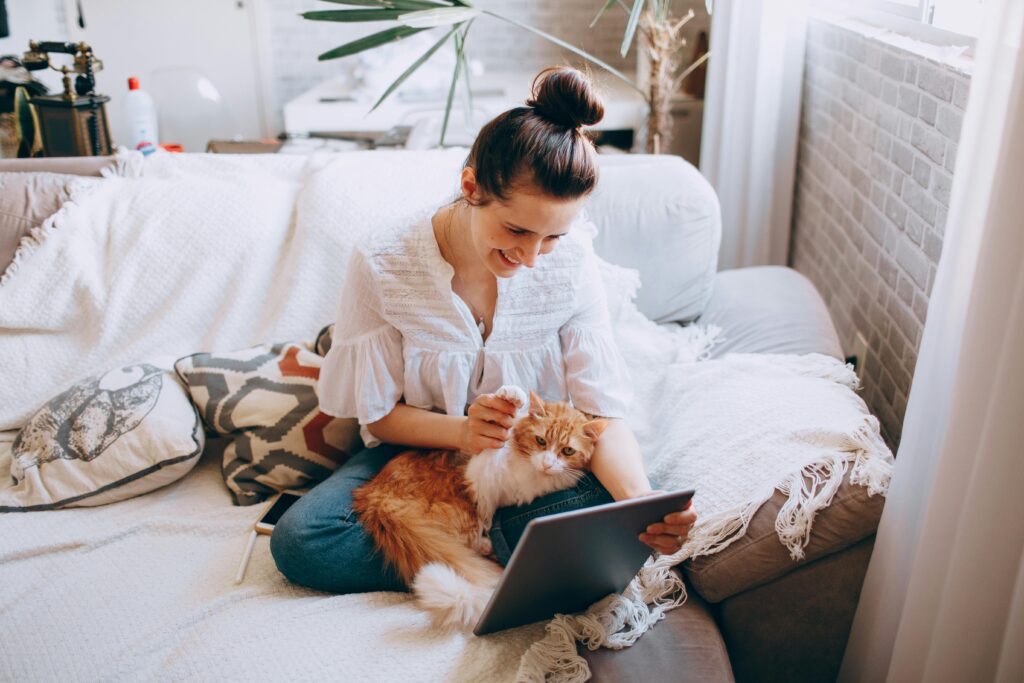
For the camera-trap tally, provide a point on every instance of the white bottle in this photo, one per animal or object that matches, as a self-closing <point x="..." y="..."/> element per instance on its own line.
<point x="140" y="112"/>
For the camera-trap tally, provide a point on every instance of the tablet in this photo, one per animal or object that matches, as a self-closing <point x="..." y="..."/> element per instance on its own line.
<point x="567" y="561"/>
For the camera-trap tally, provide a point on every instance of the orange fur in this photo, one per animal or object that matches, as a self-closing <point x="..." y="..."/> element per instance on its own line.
<point x="421" y="510"/>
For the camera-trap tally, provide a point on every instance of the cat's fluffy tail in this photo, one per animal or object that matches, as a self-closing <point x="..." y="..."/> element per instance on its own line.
<point x="453" y="601"/>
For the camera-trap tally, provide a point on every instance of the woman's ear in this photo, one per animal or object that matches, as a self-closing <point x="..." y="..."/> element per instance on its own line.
<point x="470" y="188"/>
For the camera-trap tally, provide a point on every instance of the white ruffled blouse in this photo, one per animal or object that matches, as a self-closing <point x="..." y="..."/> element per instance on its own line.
<point x="401" y="333"/>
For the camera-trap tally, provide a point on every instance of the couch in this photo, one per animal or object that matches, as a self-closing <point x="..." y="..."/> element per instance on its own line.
<point x="753" y="614"/>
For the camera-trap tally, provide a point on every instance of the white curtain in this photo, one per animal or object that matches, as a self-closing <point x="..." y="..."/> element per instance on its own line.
<point x="751" y="124"/>
<point x="943" y="599"/>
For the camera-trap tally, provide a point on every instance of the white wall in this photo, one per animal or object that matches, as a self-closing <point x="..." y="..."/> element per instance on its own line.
<point x="35" y="20"/>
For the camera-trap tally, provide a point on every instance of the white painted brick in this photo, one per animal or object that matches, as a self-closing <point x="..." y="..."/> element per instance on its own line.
<point x="922" y="172"/>
<point x="936" y="81"/>
<point x="960" y="91"/>
<point x="943" y="183"/>
<point x="919" y="202"/>
<point x="928" y="141"/>
<point x="927" y="109"/>
<point x="892" y="66"/>
<point x="909" y="98"/>
<point x="913" y="261"/>
<point x="949" y="122"/>
<point x="902" y="156"/>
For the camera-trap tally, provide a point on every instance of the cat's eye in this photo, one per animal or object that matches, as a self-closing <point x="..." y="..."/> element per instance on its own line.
<point x="541" y="442"/>
<point x="568" y="452"/>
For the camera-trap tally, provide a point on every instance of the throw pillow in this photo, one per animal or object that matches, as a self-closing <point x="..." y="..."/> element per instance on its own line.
<point x="107" y="438"/>
<point x="264" y="398"/>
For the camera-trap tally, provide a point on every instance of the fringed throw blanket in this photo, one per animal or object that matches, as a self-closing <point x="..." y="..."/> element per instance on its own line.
<point x="735" y="429"/>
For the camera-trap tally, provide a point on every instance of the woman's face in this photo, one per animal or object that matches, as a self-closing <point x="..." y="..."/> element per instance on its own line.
<point x="513" y="234"/>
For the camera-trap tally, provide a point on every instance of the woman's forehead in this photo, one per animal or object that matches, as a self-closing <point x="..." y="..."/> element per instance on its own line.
<point x="539" y="213"/>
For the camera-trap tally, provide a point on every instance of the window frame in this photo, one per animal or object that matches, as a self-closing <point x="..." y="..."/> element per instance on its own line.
<point x="894" y="17"/>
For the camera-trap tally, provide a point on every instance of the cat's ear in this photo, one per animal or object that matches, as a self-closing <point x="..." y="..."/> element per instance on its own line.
<point x="536" y="406"/>
<point x="592" y="430"/>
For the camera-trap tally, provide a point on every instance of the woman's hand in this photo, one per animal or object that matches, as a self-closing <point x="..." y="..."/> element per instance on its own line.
<point x="487" y="425"/>
<point x="668" y="535"/>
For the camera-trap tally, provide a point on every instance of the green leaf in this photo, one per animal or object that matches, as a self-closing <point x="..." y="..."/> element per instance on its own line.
<point x="429" y="18"/>
<point x="601" y="11"/>
<point x="634" y="20"/>
<point x="349" y="15"/>
<point x="371" y="41"/>
<point x="407" y="5"/>
<point x="571" y="48"/>
<point x="459" y="43"/>
<point x="415" y="65"/>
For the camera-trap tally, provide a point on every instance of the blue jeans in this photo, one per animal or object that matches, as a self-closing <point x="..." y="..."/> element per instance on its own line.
<point x="320" y="543"/>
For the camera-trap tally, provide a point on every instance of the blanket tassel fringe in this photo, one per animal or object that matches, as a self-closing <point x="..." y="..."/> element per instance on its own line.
<point x="618" y="621"/>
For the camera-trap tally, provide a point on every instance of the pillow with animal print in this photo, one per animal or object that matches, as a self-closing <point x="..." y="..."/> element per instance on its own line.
<point x="106" y="438"/>
<point x="264" y="399"/>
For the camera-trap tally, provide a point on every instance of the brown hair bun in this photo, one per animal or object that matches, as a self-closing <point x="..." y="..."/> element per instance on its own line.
<point x="565" y="96"/>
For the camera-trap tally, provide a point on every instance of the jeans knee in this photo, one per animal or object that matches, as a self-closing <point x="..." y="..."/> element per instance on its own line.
<point x="290" y="547"/>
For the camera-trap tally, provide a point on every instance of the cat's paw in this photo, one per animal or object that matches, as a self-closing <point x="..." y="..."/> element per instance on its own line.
<point x="483" y="545"/>
<point x="513" y="395"/>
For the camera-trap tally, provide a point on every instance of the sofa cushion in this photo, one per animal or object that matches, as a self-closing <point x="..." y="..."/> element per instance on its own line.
<point x="796" y="627"/>
<point x="659" y="215"/>
<point x="769" y="309"/>
<point x="265" y="399"/>
<point x="686" y="646"/>
<point x="26" y="200"/>
<point x="106" y="438"/>
<point x="758" y="557"/>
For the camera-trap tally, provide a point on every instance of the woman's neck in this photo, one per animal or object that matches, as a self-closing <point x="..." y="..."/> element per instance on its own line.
<point x="452" y="233"/>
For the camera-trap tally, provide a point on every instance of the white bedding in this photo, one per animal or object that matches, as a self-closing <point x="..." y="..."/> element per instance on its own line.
<point x="143" y="590"/>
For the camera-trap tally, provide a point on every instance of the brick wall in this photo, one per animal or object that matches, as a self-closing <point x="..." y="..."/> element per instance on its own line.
<point x="296" y="42"/>
<point x="878" y="142"/>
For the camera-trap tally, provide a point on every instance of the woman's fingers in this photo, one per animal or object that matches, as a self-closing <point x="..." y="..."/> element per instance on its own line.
<point x="491" y="415"/>
<point x="497" y="404"/>
<point x="665" y="545"/>
<point x="490" y="430"/>
<point x="669" y="529"/>
<point x="686" y="517"/>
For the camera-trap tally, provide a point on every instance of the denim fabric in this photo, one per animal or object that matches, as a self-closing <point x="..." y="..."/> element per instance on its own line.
<point x="319" y="542"/>
<point x="510" y="522"/>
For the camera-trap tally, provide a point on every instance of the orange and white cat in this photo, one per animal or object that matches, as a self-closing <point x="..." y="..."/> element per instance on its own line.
<point x="428" y="512"/>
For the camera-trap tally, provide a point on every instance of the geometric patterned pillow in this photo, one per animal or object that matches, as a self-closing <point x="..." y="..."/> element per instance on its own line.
<point x="264" y="399"/>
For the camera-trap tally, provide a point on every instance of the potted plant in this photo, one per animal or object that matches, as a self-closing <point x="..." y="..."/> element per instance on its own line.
<point x="659" y="31"/>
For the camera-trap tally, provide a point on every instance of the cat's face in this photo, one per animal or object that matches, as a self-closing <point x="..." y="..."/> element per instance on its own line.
<point x="556" y="438"/>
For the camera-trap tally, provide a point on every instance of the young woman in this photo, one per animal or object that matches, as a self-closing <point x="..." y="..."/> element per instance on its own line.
<point x="491" y="289"/>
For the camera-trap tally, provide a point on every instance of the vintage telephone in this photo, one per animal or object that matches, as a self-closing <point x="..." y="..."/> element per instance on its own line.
<point x="73" y="123"/>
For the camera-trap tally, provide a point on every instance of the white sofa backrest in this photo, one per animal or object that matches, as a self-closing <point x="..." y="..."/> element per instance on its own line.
<point x="221" y="252"/>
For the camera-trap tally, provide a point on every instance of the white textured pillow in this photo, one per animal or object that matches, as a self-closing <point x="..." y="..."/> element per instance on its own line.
<point x="106" y="438"/>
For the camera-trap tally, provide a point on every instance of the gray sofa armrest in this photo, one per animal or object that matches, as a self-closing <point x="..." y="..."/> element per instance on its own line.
<point x="769" y="309"/>
<point x="684" y="646"/>
<point x="796" y="627"/>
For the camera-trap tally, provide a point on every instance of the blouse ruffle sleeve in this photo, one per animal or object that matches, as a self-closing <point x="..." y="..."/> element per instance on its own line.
<point x="597" y="378"/>
<point x="362" y="373"/>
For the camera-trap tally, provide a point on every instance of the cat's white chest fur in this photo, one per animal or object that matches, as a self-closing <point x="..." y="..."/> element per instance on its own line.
<point x="499" y="477"/>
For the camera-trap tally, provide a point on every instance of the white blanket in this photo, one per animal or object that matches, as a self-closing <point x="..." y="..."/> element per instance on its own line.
<point x="142" y="589"/>
<point x="124" y="272"/>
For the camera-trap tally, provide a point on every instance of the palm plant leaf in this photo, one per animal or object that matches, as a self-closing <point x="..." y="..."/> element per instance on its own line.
<point x="429" y="18"/>
<point x="571" y="48"/>
<point x="634" y="21"/>
<point x="408" y="5"/>
<point x="415" y="65"/>
<point x="459" y="44"/>
<point x="607" y="5"/>
<point x="350" y="15"/>
<point x="371" y="41"/>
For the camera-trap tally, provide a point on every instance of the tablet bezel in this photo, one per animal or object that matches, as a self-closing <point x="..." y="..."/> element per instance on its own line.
<point x="607" y="534"/>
